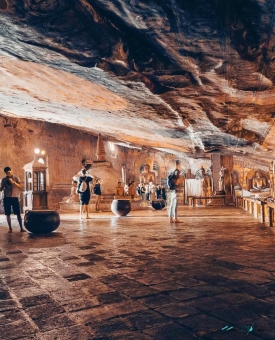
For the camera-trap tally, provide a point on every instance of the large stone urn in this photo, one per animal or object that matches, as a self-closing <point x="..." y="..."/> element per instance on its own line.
<point x="41" y="221"/>
<point x="158" y="204"/>
<point x="121" y="207"/>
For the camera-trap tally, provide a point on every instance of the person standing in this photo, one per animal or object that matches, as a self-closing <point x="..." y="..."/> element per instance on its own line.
<point x="159" y="192"/>
<point x="97" y="192"/>
<point x="176" y="188"/>
<point x="12" y="188"/>
<point x="163" y="193"/>
<point x="143" y="192"/>
<point x="83" y="189"/>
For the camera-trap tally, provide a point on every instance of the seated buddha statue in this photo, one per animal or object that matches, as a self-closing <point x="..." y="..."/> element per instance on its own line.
<point x="147" y="176"/>
<point x="119" y="189"/>
<point x="259" y="182"/>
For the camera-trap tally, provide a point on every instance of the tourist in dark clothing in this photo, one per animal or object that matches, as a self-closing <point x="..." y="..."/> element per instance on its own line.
<point x="12" y="188"/>
<point x="97" y="192"/>
<point x="159" y="192"/>
<point x="163" y="193"/>
<point x="83" y="189"/>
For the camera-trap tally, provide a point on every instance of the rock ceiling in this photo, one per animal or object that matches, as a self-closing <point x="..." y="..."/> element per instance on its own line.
<point x="189" y="77"/>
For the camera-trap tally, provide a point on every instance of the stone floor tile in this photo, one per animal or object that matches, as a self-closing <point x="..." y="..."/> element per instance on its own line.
<point x="98" y="313"/>
<point x="208" y="290"/>
<point x="10" y="316"/>
<point x="17" y="330"/>
<point x="112" y="328"/>
<point x="97" y="289"/>
<point x="6" y="305"/>
<point x="110" y="298"/>
<point x="146" y="319"/>
<point x="35" y="300"/>
<point x="126" y="307"/>
<point x="139" y="292"/>
<point x="244" y="313"/>
<point x="69" y="333"/>
<point x="28" y="292"/>
<point x="80" y="304"/>
<point x="44" y="311"/>
<point x="4" y="294"/>
<point x="234" y="297"/>
<point x="176" y="310"/>
<point x="201" y="324"/>
<point x="66" y="295"/>
<point x="156" y="300"/>
<point x="170" y="331"/>
<point x="135" y="335"/>
<point x="185" y="294"/>
<point x="207" y="304"/>
<point x="54" y="322"/>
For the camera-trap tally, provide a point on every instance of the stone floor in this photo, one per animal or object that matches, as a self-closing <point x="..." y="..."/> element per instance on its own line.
<point x="139" y="277"/>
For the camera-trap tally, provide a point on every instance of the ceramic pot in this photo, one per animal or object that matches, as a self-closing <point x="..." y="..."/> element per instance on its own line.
<point x="158" y="204"/>
<point x="41" y="221"/>
<point x="121" y="207"/>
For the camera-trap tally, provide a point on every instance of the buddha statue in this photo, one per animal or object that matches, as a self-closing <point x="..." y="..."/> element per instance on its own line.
<point x="119" y="189"/>
<point x="259" y="182"/>
<point x="206" y="185"/>
<point x="147" y="176"/>
<point x="221" y="180"/>
<point x="132" y="189"/>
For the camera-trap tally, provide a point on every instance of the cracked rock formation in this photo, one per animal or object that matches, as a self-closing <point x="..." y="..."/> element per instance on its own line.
<point x="188" y="77"/>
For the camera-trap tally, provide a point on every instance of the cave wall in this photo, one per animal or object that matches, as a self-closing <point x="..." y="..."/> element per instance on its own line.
<point x="65" y="148"/>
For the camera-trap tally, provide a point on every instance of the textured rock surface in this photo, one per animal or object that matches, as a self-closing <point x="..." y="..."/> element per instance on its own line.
<point x="193" y="77"/>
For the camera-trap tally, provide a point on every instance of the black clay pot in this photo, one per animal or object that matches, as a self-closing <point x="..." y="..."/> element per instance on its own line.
<point x="41" y="221"/>
<point x="121" y="207"/>
<point x="158" y="204"/>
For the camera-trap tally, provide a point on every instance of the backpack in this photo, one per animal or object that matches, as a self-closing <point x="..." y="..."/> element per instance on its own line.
<point x="83" y="186"/>
<point x="171" y="181"/>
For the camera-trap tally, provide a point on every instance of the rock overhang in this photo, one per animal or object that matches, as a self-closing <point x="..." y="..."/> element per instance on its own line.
<point x="190" y="79"/>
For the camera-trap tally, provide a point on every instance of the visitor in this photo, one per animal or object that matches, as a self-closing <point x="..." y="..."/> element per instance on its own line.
<point x="132" y="189"/>
<point x="163" y="193"/>
<point x="83" y="189"/>
<point x="159" y="192"/>
<point x="12" y="189"/>
<point x="97" y="192"/>
<point x="176" y="188"/>
<point x="142" y="191"/>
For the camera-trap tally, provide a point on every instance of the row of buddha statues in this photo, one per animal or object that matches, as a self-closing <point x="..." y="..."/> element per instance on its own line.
<point x="202" y="179"/>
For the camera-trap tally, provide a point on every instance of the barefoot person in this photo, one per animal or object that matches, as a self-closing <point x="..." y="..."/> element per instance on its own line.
<point x="12" y="188"/>
<point x="175" y="182"/>
<point x="97" y="192"/>
<point x="83" y="189"/>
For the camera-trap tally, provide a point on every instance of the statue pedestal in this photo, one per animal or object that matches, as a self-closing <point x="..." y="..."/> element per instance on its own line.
<point x="121" y="207"/>
<point x="219" y="192"/>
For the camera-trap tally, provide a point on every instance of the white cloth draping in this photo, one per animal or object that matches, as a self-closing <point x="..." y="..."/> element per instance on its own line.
<point x="193" y="187"/>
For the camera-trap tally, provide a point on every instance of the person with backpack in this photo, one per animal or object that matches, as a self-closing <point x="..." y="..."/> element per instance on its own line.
<point x="175" y="183"/>
<point x="83" y="189"/>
